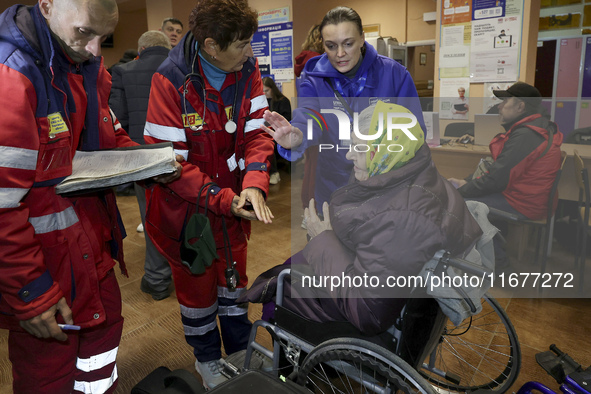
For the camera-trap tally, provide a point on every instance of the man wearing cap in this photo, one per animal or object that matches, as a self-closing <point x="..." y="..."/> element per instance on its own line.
<point x="525" y="159"/>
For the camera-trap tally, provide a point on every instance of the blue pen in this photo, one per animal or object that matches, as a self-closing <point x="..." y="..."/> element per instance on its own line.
<point x="68" y="327"/>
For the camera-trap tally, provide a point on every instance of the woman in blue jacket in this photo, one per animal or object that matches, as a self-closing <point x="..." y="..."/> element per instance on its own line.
<point x="348" y="77"/>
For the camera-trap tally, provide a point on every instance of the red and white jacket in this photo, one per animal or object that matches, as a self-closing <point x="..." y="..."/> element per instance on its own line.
<point x="233" y="161"/>
<point x="51" y="246"/>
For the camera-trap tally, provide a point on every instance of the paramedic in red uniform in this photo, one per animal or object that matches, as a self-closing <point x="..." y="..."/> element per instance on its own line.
<point x="57" y="253"/>
<point x="207" y="98"/>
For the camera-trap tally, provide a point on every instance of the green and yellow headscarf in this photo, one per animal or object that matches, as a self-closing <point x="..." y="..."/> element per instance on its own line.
<point x="378" y="159"/>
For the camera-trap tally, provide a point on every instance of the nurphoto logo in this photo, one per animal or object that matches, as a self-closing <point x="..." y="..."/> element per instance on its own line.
<point x="346" y="127"/>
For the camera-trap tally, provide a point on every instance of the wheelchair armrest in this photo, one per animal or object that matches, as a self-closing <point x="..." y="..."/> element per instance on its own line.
<point x="280" y="285"/>
<point x="502" y="214"/>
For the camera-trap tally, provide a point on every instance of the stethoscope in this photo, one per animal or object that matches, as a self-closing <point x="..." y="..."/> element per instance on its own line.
<point x="230" y="125"/>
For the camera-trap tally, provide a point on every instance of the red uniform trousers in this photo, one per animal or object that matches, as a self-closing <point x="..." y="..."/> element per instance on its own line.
<point x="203" y="297"/>
<point x="84" y="363"/>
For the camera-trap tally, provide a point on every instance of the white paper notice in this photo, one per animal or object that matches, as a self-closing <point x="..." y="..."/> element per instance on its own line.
<point x="490" y="100"/>
<point x="454" y="56"/>
<point x="452" y="36"/>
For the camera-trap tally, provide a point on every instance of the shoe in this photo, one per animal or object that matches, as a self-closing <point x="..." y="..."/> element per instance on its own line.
<point x="275" y="178"/>
<point x="257" y="361"/>
<point x="156" y="295"/>
<point x="140" y="228"/>
<point x="211" y="373"/>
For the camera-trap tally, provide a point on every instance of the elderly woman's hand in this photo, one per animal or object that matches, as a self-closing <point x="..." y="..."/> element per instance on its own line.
<point x="282" y="131"/>
<point x="457" y="182"/>
<point x="313" y="223"/>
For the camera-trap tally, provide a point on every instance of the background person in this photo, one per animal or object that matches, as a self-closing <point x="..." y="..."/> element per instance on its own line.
<point x="173" y="28"/>
<point x="279" y="103"/>
<point x="222" y="143"/>
<point x="128" y="56"/>
<point x="58" y="253"/>
<point x="130" y="93"/>
<point x="526" y="159"/>
<point x="348" y="76"/>
<point x="311" y="47"/>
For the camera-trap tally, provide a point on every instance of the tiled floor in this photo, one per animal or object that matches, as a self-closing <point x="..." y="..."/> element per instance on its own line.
<point x="153" y="333"/>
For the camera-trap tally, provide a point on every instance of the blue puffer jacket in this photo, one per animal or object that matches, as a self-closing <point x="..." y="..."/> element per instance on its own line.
<point x="387" y="80"/>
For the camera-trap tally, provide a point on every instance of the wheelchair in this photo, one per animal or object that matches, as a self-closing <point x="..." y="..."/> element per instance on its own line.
<point x="569" y="374"/>
<point x="482" y="354"/>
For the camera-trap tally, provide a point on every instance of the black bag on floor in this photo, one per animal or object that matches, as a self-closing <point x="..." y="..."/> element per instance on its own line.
<point x="256" y="381"/>
<point x="164" y="381"/>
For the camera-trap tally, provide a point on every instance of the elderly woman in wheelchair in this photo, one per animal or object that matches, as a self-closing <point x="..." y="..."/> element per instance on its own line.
<point x="389" y="222"/>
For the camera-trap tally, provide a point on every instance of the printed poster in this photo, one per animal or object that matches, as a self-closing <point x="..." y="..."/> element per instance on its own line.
<point x="495" y="46"/>
<point x="273" y="47"/>
<point x="456" y="11"/>
<point x="454" y="102"/>
<point x="483" y="9"/>
<point x="274" y="16"/>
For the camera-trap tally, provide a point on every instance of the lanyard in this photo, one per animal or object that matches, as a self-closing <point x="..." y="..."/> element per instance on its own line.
<point x="361" y="81"/>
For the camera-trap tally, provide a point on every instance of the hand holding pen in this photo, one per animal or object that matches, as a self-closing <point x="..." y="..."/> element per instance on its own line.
<point x="44" y="325"/>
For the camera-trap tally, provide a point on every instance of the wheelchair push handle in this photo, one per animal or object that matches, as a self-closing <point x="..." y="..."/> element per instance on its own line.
<point x="464" y="265"/>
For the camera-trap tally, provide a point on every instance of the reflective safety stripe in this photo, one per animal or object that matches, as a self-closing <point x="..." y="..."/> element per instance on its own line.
<point x="98" y="386"/>
<point x="182" y="152"/>
<point x="114" y="119"/>
<point x="190" y="331"/>
<point x="198" y="313"/>
<point x="257" y="103"/>
<point x="11" y="197"/>
<point x="23" y="159"/>
<point x="167" y="133"/>
<point x="97" y="362"/>
<point x="253" y="124"/>
<point x="54" y="221"/>
<point x="223" y="292"/>
<point x="234" y="310"/>
<point x="241" y="164"/>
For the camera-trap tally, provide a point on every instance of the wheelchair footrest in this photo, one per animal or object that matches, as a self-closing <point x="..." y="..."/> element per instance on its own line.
<point x="557" y="364"/>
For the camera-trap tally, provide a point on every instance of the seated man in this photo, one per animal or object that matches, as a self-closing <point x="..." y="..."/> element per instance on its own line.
<point x="387" y="222"/>
<point x="525" y="159"/>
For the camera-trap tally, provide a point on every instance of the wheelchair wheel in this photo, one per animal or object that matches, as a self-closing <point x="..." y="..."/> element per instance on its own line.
<point x="481" y="353"/>
<point x="347" y="365"/>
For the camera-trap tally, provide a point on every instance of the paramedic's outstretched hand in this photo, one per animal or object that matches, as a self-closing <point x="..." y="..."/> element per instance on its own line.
<point x="457" y="182"/>
<point x="313" y="223"/>
<point x="251" y="205"/>
<point x="45" y="325"/>
<point x="178" y="169"/>
<point x="282" y="131"/>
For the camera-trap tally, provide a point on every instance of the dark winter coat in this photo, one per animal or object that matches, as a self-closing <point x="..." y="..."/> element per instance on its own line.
<point x="131" y="90"/>
<point x="387" y="226"/>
